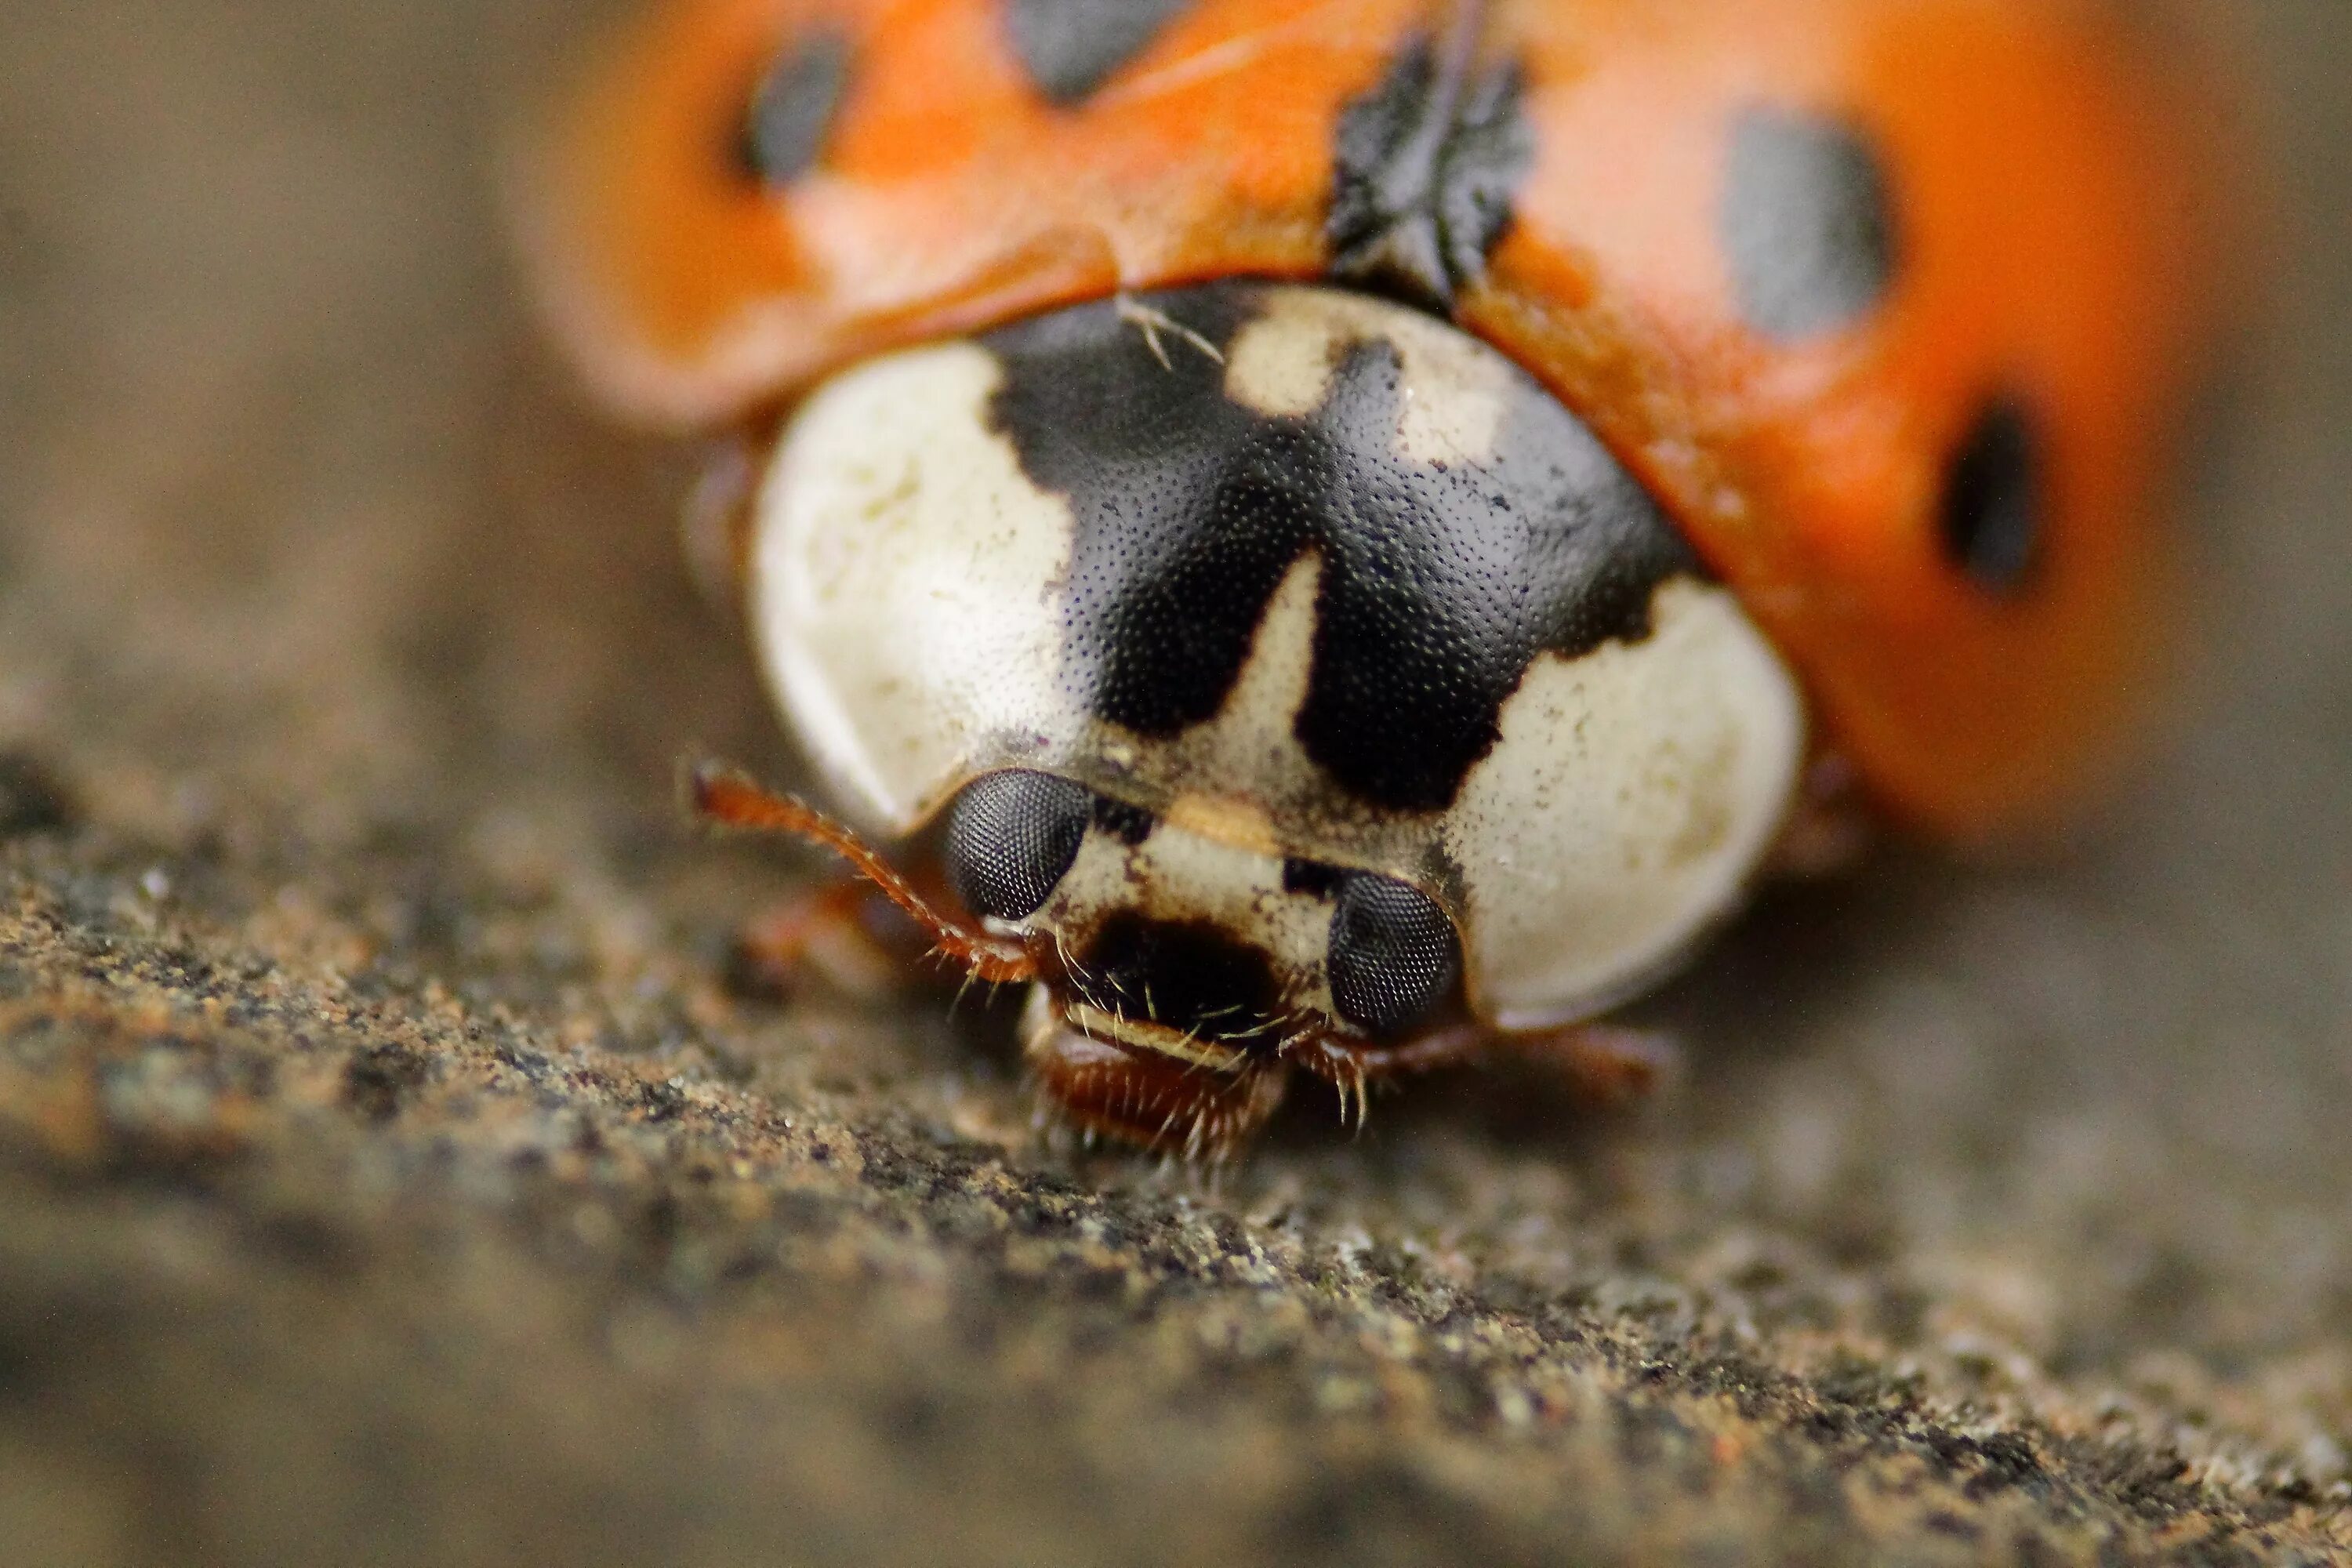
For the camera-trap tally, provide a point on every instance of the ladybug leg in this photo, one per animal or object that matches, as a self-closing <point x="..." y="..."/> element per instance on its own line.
<point x="715" y="521"/>
<point x="1605" y="1063"/>
<point x="844" y="934"/>
<point x="1829" y="826"/>
<point x="789" y="943"/>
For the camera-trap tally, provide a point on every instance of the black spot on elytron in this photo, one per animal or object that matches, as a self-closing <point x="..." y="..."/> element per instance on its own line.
<point x="1183" y="975"/>
<point x="1423" y="168"/>
<point x="784" y="126"/>
<point x="1130" y="825"/>
<point x="1439" y="584"/>
<point x="1393" y="955"/>
<point x="1069" y="47"/>
<point x="1993" y="500"/>
<point x="1010" y="838"/>
<point x="1807" y="223"/>
<point x="1312" y="877"/>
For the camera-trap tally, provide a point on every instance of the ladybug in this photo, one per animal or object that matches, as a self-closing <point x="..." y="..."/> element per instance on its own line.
<point x="1342" y="534"/>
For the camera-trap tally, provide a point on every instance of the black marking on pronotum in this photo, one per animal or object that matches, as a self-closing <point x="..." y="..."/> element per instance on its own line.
<point x="785" y="124"/>
<point x="1993" y="502"/>
<point x="1130" y="825"/>
<point x="1439" y="584"/>
<point x="1311" y="877"/>
<point x="1807" y="222"/>
<point x="1069" y="47"/>
<point x="1423" y="168"/>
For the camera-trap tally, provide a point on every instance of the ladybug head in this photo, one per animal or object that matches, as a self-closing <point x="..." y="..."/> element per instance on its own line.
<point x="1184" y="958"/>
<point x="1284" y="672"/>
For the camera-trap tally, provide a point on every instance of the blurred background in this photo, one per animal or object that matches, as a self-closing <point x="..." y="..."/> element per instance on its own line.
<point x="386" y="1171"/>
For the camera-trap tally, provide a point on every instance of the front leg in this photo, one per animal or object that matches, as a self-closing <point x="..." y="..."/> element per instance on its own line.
<point x="1604" y="1064"/>
<point x="844" y="934"/>
<point x="1829" y="825"/>
<point x="838" y="926"/>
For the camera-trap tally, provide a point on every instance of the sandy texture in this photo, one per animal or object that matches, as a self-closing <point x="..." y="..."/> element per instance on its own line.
<point x="386" y="1172"/>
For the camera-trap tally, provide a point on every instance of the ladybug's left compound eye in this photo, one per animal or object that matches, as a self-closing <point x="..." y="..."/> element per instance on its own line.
<point x="1393" y="955"/>
<point x="1012" y="836"/>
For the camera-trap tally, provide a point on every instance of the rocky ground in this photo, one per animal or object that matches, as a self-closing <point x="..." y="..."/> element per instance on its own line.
<point x="387" y="1172"/>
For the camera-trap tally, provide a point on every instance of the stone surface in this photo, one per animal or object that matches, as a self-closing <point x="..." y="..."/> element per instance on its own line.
<point x="386" y="1173"/>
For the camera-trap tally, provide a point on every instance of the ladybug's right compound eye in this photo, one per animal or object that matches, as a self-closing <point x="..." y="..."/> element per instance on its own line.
<point x="1011" y="838"/>
<point x="1393" y="955"/>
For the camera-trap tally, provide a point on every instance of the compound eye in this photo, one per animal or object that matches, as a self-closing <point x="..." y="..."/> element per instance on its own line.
<point x="1393" y="956"/>
<point x="1010" y="838"/>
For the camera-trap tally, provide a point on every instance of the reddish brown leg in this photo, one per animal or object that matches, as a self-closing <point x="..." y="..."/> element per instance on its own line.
<point x="847" y="935"/>
<point x="729" y="800"/>
<point x="1605" y="1064"/>
<point x="715" y="521"/>
<point x="1829" y="825"/>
